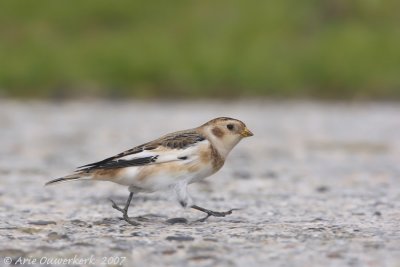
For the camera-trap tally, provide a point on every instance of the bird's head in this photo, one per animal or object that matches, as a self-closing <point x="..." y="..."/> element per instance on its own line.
<point x="224" y="133"/>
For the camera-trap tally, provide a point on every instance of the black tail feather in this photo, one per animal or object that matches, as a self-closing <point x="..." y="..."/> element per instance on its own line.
<point x="66" y="179"/>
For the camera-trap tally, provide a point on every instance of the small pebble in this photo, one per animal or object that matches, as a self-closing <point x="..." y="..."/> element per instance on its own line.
<point x="179" y="238"/>
<point x="40" y="222"/>
<point x="377" y="213"/>
<point x="242" y="174"/>
<point x="177" y="220"/>
<point x="322" y="189"/>
<point x="56" y="236"/>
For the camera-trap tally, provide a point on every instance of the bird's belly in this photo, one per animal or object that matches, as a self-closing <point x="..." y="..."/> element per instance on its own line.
<point x="201" y="174"/>
<point x="163" y="176"/>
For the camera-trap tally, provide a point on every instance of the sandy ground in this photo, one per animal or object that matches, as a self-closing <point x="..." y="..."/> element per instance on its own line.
<point x="318" y="184"/>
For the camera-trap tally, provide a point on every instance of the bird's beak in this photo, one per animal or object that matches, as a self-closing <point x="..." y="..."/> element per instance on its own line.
<point x="246" y="133"/>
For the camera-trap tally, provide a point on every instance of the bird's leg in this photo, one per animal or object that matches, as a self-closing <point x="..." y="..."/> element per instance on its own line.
<point x="125" y="210"/>
<point x="212" y="213"/>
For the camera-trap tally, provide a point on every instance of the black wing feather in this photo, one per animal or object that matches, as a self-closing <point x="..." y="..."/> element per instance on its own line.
<point x="178" y="140"/>
<point x="121" y="163"/>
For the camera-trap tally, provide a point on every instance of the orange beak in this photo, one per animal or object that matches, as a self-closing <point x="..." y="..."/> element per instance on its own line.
<point x="246" y="133"/>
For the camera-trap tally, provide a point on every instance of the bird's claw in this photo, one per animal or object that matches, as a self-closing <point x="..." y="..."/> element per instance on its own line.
<point x="125" y="214"/>
<point x="128" y="220"/>
<point x="216" y="214"/>
<point x="115" y="206"/>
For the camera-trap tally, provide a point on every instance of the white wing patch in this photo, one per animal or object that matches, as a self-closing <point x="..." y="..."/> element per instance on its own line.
<point x="168" y="155"/>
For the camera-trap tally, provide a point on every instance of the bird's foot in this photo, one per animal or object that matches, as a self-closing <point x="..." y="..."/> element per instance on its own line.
<point x="212" y="213"/>
<point x="125" y="216"/>
<point x="128" y="220"/>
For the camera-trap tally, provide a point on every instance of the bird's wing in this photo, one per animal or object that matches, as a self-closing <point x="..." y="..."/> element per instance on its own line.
<point x="171" y="147"/>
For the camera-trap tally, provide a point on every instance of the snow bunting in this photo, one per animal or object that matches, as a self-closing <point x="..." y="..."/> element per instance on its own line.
<point x="173" y="161"/>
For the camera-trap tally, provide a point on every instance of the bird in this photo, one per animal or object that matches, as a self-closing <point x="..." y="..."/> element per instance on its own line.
<point x="172" y="161"/>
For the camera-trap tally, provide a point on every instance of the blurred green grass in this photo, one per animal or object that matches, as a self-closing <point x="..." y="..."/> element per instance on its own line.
<point x="325" y="49"/>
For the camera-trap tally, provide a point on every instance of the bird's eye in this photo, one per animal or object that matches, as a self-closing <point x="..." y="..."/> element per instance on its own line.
<point x="230" y="126"/>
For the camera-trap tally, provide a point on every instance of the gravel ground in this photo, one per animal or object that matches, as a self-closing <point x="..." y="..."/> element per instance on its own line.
<point x="318" y="185"/>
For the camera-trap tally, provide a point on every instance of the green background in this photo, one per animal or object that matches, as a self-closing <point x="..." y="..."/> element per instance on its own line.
<point x="334" y="49"/>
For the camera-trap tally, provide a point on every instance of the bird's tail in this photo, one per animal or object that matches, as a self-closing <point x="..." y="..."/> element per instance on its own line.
<point x="72" y="177"/>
